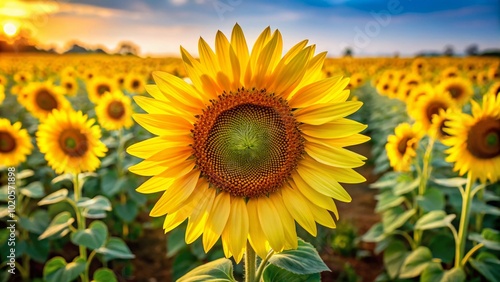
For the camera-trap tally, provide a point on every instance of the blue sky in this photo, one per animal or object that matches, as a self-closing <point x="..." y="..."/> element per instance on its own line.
<point x="370" y="27"/>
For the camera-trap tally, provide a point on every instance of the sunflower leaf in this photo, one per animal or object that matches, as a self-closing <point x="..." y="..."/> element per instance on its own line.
<point x="416" y="262"/>
<point x="303" y="260"/>
<point x="218" y="270"/>
<point x="273" y="273"/>
<point x="92" y="237"/>
<point x="58" y="270"/>
<point x="55" y="197"/>
<point x="434" y="219"/>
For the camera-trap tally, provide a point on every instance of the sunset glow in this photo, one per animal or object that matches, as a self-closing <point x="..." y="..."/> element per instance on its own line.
<point x="10" y="29"/>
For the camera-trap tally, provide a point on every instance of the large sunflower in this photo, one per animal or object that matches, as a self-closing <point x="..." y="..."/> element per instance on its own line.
<point x="255" y="143"/>
<point x="41" y="98"/>
<point x="15" y="143"/>
<point x="475" y="140"/>
<point x="70" y="142"/>
<point x="401" y="147"/>
<point x="114" y="111"/>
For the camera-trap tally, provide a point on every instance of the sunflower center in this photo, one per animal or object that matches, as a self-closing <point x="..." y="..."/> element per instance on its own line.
<point x="45" y="100"/>
<point x="433" y="108"/>
<point x="116" y="110"/>
<point x="247" y="143"/>
<point x="73" y="142"/>
<point x="403" y="145"/>
<point x="135" y="84"/>
<point x="455" y="92"/>
<point x="483" y="139"/>
<point x="7" y="142"/>
<point x="69" y="86"/>
<point x="102" y="88"/>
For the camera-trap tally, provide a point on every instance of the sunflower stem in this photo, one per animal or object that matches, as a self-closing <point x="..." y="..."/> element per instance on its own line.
<point x="479" y="215"/>
<point x="464" y="222"/>
<point x="422" y="187"/>
<point x="80" y="221"/>
<point x="250" y="262"/>
<point x="263" y="265"/>
<point x="119" y="171"/>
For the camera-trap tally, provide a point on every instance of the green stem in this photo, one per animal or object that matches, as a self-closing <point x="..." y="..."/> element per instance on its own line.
<point x="479" y="215"/>
<point x="412" y="243"/>
<point x="464" y="222"/>
<point x="87" y="265"/>
<point x="119" y="154"/>
<point x="250" y="261"/>
<point x="471" y="252"/>
<point x="80" y="220"/>
<point x="262" y="266"/>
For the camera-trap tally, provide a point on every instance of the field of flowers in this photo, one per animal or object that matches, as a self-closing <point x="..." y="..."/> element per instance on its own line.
<point x="76" y="193"/>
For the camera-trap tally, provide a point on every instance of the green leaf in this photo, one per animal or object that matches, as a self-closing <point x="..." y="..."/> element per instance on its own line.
<point x="375" y="234"/>
<point x="175" y="241"/>
<point x="433" y="199"/>
<point x="442" y="246"/>
<point x="217" y="270"/>
<point x="273" y="273"/>
<point x="57" y="270"/>
<point x="36" y="223"/>
<point x="97" y="203"/>
<point x="59" y="226"/>
<point x="111" y="184"/>
<point x="404" y="187"/>
<point x="55" y="197"/>
<point x="489" y="237"/>
<point x="454" y="275"/>
<point x="115" y="248"/>
<point x="434" y="219"/>
<point x="38" y="250"/>
<point x="451" y="182"/>
<point x="303" y="260"/>
<point x="394" y="256"/>
<point x="488" y="265"/>
<point x="388" y="200"/>
<point x="93" y="237"/>
<point x="394" y="218"/>
<point x="416" y="262"/>
<point x="127" y="211"/>
<point x="63" y="177"/>
<point x="481" y="207"/>
<point x="25" y="173"/>
<point x="104" y="275"/>
<point x="33" y="190"/>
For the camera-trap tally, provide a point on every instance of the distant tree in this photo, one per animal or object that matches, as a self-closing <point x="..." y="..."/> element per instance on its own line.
<point x="127" y="48"/>
<point x="449" y="51"/>
<point x="472" y="50"/>
<point x="348" y="52"/>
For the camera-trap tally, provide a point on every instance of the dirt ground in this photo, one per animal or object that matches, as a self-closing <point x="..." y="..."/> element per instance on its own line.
<point x="152" y="265"/>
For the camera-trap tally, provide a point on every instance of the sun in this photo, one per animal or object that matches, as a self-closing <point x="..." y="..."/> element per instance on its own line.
<point x="10" y="29"/>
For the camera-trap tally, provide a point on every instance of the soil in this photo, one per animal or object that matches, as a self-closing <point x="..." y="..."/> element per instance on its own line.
<point x="152" y="265"/>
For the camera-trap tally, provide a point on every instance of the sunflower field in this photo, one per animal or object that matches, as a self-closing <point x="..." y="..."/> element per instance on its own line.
<point x="249" y="164"/>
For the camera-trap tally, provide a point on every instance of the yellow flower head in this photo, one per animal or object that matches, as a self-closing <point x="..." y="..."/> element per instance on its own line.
<point x="460" y="89"/>
<point x="15" y="143"/>
<point x="98" y="86"/>
<point x="475" y="140"/>
<point x="401" y="147"/>
<point x="70" y="142"/>
<point x="42" y="98"/>
<point x="70" y="85"/>
<point x="253" y="145"/>
<point x="134" y="83"/>
<point x="427" y="106"/>
<point x="114" y="111"/>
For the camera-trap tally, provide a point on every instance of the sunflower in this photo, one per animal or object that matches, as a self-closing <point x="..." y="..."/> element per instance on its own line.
<point x="15" y="143"/>
<point x="70" y="142"/>
<point x="23" y="77"/>
<point x="427" y="106"/>
<point x="3" y="80"/>
<point x="459" y="88"/>
<point x="70" y="85"/>
<point x="41" y="98"/>
<point x="475" y="140"/>
<point x="134" y="83"/>
<point x="254" y="144"/>
<point x="424" y="89"/>
<point x="419" y="66"/>
<point x="439" y="124"/>
<point x="401" y="147"/>
<point x="98" y="86"/>
<point x="450" y="72"/>
<point x="114" y="111"/>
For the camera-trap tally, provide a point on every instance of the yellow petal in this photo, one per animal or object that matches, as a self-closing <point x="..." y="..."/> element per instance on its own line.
<point x="155" y="106"/>
<point x="172" y="220"/>
<point x="208" y="58"/>
<point x="240" y="47"/>
<point x="315" y="92"/>
<point x="176" y="194"/>
<point x="235" y="233"/>
<point x="340" y="142"/>
<point x="163" y="124"/>
<point x="222" y="50"/>
<point x="333" y="156"/>
<point x="256" y="236"/>
<point x="154" y="91"/>
<point x="322" y="216"/>
<point x="312" y="195"/>
<point x="199" y="216"/>
<point x="148" y="168"/>
<point x="217" y="220"/>
<point x="162" y="181"/>
<point x="147" y="148"/>
<point x="335" y="129"/>
<point x="298" y="208"/>
<point x="177" y="90"/>
<point x="322" y="113"/>
<point x="321" y="180"/>
<point x="287" y="221"/>
<point x="268" y="58"/>
<point x="271" y="224"/>
<point x="289" y="75"/>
